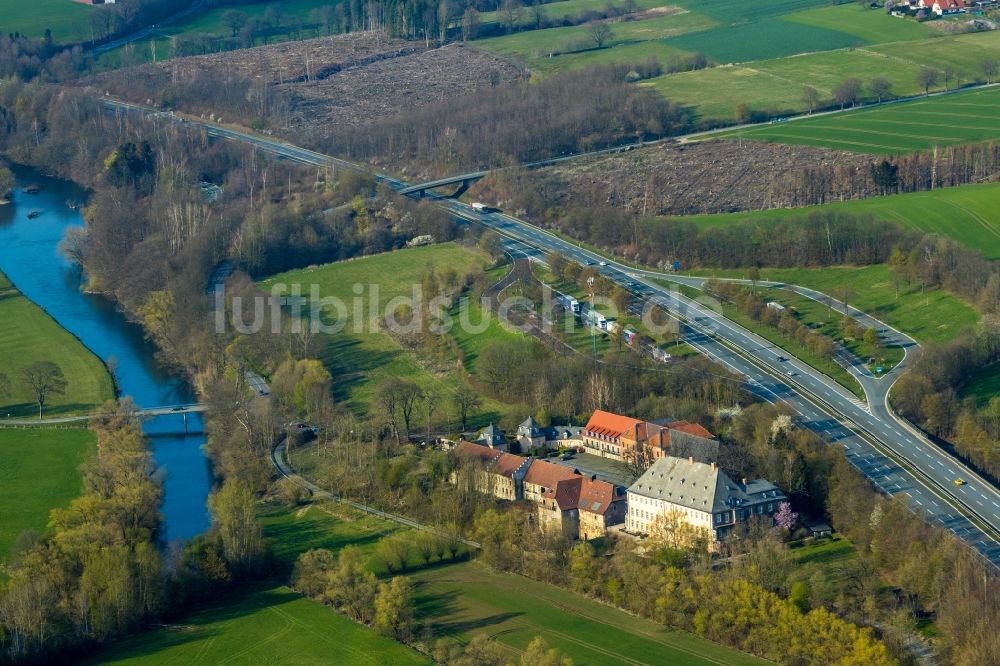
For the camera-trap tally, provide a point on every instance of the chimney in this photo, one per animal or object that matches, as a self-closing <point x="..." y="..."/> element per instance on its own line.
<point x="691" y="460"/>
<point x="593" y="477"/>
<point x="713" y="466"/>
<point x="744" y="484"/>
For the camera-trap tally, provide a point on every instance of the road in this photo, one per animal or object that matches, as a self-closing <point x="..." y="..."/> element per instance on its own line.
<point x="892" y="454"/>
<point x="142" y="33"/>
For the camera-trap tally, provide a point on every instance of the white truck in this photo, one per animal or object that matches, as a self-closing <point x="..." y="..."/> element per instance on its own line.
<point x="479" y="207"/>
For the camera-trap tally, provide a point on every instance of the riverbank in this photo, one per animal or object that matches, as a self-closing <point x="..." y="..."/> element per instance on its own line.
<point x="29" y="335"/>
<point x="92" y="324"/>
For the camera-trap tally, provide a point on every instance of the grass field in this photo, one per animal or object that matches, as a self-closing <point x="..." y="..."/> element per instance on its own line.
<point x="361" y="360"/>
<point x="38" y="472"/>
<point x="632" y="41"/>
<point x="983" y="385"/>
<point x="896" y="128"/>
<point x="68" y="20"/>
<point x="261" y="624"/>
<point x="896" y="51"/>
<point x="852" y="19"/>
<point x="772" y="38"/>
<point x="461" y="600"/>
<point x="467" y="599"/>
<point x="27" y="335"/>
<point x="967" y="214"/>
<point x="933" y="316"/>
<point x="209" y="22"/>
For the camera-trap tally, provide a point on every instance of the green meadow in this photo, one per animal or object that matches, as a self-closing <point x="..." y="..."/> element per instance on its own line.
<point x="363" y="354"/>
<point x="969" y="214"/>
<point x="261" y="624"/>
<point x="208" y="22"/>
<point x="907" y="127"/>
<point x="926" y="315"/>
<point x="39" y="471"/>
<point x="463" y="600"/>
<point x="69" y="21"/>
<point x="28" y="335"/>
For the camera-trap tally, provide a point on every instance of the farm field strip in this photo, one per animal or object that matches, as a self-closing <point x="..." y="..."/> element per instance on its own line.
<point x="960" y="118"/>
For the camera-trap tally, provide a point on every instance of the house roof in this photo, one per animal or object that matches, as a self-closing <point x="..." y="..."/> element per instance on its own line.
<point x="691" y="429"/>
<point x="547" y="475"/>
<point x="566" y="493"/>
<point x="611" y="425"/>
<point x="508" y="464"/>
<point x="504" y="464"/>
<point x="597" y="496"/>
<point x="699" y="486"/>
<point x="472" y="450"/>
<point x="531" y="426"/>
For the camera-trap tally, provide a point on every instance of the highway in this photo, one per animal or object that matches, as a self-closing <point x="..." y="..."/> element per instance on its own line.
<point x="896" y="457"/>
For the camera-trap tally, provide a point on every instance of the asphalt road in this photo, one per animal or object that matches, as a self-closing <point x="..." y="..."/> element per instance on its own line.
<point x="897" y="458"/>
<point x="144" y="32"/>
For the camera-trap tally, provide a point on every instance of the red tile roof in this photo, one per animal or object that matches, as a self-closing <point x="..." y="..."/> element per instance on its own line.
<point x="504" y="464"/>
<point x="548" y="474"/>
<point x="597" y="496"/>
<point x="691" y="429"/>
<point x="613" y="425"/>
<point x="566" y="494"/>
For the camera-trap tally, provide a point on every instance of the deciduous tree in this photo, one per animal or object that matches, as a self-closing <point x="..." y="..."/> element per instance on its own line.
<point x="44" y="379"/>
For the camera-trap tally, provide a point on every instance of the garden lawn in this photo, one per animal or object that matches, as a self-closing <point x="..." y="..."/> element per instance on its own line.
<point x="261" y="624"/>
<point x="969" y="214"/>
<point x="29" y="335"/>
<point x="39" y="471"/>
<point x="467" y="599"/>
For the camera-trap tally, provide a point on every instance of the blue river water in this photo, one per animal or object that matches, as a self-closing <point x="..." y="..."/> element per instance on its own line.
<point x="30" y="257"/>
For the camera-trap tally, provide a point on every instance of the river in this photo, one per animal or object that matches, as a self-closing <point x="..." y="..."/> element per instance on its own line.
<point x="29" y="257"/>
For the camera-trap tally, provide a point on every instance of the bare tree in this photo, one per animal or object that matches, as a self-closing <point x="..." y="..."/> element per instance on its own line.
<point x="470" y="24"/>
<point x="466" y="401"/>
<point x="880" y="88"/>
<point x="511" y="12"/>
<point x="847" y="92"/>
<point x="810" y="97"/>
<point x="43" y="379"/>
<point x="990" y="67"/>
<point x="600" y="33"/>
<point x="927" y="78"/>
<point x="234" y="20"/>
<point x="398" y="397"/>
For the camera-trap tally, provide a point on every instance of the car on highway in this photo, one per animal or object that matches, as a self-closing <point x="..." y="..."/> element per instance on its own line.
<point x="960" y="482"/>
<point x="603" y="263"/>
<point x="177" y="409"/>
<point x="782" y="359"/>
<point x="790" y="373"/>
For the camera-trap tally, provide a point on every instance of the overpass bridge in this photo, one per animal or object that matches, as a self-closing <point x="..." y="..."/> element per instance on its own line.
<point x="465" y="180"/>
